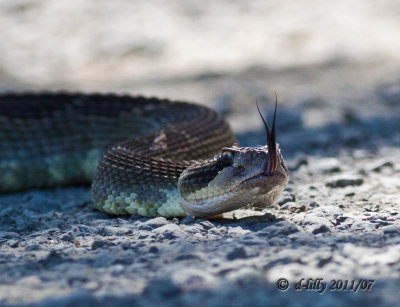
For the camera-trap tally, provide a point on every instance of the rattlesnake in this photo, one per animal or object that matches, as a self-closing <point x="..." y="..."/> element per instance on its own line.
<point x="157" y="157"/>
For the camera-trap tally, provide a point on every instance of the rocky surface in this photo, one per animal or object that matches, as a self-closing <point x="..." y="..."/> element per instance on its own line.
<point x="338" y="128"/>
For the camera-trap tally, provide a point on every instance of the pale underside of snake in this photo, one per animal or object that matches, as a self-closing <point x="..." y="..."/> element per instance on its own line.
<point x="146" y="156"/>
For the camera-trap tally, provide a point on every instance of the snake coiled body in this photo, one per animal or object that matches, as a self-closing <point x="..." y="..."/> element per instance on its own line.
<point x="144" y="145"/>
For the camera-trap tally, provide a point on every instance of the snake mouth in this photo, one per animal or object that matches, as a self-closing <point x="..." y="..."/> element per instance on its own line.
<point x="260" y="176"/>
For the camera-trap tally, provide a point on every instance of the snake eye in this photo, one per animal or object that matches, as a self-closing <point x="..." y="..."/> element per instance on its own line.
<point x="227" y="157"/>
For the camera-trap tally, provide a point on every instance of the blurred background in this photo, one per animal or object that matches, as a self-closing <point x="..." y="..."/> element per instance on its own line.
<point x="332" y="63"/>
<point x="335" y="66"/>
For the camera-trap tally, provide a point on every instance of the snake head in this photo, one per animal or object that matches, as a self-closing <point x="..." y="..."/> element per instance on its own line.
<point x="237" y="177"/>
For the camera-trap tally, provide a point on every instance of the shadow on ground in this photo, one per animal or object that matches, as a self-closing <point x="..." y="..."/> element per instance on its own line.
<point x="330" y="139"/>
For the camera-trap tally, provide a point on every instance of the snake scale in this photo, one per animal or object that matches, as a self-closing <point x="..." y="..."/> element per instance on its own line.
<point x="146" y="156"/>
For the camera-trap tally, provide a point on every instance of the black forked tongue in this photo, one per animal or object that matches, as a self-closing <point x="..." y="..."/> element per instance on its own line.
<point x="271" y="141"/>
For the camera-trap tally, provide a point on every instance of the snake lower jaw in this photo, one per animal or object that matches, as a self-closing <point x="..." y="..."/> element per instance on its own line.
<point x="232" y="201"/>
<point x="260" y="191"/>
<point x="205" y="208"/>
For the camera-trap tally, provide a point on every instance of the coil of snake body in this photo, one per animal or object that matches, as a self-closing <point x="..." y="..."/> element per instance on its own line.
<point x="145" y="156"/>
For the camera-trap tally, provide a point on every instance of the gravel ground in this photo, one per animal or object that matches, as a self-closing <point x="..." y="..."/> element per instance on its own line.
<point x="337" y="220"/>
<point x="338" y="127"/>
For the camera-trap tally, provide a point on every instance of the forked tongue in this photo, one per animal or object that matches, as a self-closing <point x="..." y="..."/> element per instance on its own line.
<point x="271" y="141"/>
